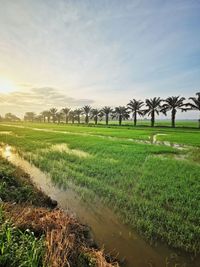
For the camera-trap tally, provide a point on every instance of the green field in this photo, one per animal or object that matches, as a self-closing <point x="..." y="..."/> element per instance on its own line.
<point x="158" y="123"/>
<point x="153" y="187"/>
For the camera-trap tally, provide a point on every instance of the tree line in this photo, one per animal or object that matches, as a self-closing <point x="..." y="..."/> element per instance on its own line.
<point x="150" y="107"/>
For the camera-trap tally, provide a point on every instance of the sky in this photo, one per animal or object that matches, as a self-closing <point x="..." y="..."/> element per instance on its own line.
<point x="72" y="53"/>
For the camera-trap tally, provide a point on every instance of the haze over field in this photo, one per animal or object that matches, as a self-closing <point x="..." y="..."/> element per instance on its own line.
<point x="72" y="53"/>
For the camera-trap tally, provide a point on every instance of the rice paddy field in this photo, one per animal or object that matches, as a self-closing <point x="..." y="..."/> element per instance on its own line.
<point x="150" y="177"/>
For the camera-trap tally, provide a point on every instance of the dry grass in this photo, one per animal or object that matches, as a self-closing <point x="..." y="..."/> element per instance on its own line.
<point x="99" y="257"/>
<point x="65" y="237"/>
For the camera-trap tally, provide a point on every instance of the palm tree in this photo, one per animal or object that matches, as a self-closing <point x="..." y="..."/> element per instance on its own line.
<point x="48" y="116"/>
<point x="78" y="113"/>
<point x="154" y="107"/>
<point x="39" y="118"/>
<point x="173" y="103"/>
<point x="195" y="105"/>
<point x="94" y="115"/>
<point x="66" y="112"/>
<point x="11" y="117"/>
<point x="135" y="107"/>
<point x="86" y="110"/>
<point x="29" y="116"/>
<point x="45" y="115"/>
<point x="53" y="112"/>
<point x="72" y="116"/>
<point x="120" y="113"/>
<point x="106" y="111"/>
<point x="59" y="116"/>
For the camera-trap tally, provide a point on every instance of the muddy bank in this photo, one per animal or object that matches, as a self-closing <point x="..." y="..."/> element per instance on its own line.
<point x="107" y="229"/>
<point x="17" y="186"/>
<point x="67" y="242"/>
<point x="27" y="211"/>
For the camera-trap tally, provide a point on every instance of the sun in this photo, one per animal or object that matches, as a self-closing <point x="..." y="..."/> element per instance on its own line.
<point x="6" y="86"/>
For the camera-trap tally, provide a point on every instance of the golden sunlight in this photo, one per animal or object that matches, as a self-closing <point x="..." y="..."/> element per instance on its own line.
<point x="6" y="85"/>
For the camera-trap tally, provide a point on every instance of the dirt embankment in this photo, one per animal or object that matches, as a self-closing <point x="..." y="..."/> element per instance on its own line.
<point x="66" y="241"/>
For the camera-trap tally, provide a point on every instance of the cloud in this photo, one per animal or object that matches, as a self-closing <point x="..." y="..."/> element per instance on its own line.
<point x="110" y="51"/>
<point x="38" y="99"/>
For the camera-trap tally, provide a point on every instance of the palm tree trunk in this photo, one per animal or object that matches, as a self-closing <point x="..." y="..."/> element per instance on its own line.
<point x="120" y="120"/>
<point x="48" y="119"/>
<point x="199" y="122"/>
<point x="173" y="117"/>
<point x="106" y="119"/>
<point x="135" y="118"/>
<point x="44" y="119"/>
<point x="86" y="119"/>
<point x="73" y="120"/>
<point x="152" y="119"/>
<point x="66" y="119"/>
<point x="95" y="120"/>
<point x="78" y="119"/>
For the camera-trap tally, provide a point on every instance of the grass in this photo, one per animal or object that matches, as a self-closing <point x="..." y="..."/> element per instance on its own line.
<point x="146" y="184"/>
<point x="19" y="248"/>
<point x="145" y="123"/>
<point x="158" y="123"/>
<point x="65" y="239"/>
<point x="16" y="186"/>
<point x="34" y="235"/>
<point x="180" y="135"/>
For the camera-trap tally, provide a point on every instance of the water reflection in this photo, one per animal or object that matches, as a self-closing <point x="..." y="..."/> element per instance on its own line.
<point x="107" y="229"/>
<point x="6" y="151"/>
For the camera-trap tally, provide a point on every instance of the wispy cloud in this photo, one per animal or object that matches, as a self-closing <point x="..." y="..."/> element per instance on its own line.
<point x="105" y="50"/>
<point x="38" y="99"/>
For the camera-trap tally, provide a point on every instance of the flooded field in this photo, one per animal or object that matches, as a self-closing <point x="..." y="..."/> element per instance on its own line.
<point x="153" y="138"/>
<point x="108" y="230"/>
<point x="134" y="188"/>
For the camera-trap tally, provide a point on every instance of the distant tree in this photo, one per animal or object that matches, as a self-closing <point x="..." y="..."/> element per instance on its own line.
<point x="39" y="118"/>
<point x="101" y="115"/>
<point x="48" y="116"/>
<point x="95" y="114"/>
<point x="78" y="113"/>
<point x="72" y="116"/>
<point x="45" y="115"/>
<point x="86" y="110"/>
<point x="11" y="117"/>
<point x="66" y="112"/>
<point x="121" y="113"/>
<point x="29" y="116"/>
<point x="53" y="112"/>
<point x="153" y="108"/>
<point x="173" y="104"/>
<point x="135" y="107"/>
<point x="107" y="111"/>
<point x="59" y="116"/>
<point x="195" y="105"/>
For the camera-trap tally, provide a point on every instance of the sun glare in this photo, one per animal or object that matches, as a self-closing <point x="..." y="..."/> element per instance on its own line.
<point x="6" y="85"/>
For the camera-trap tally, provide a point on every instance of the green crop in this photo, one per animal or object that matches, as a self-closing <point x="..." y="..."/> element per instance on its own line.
<point x="154" y="188"/>
<point x="17" y="248"/>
